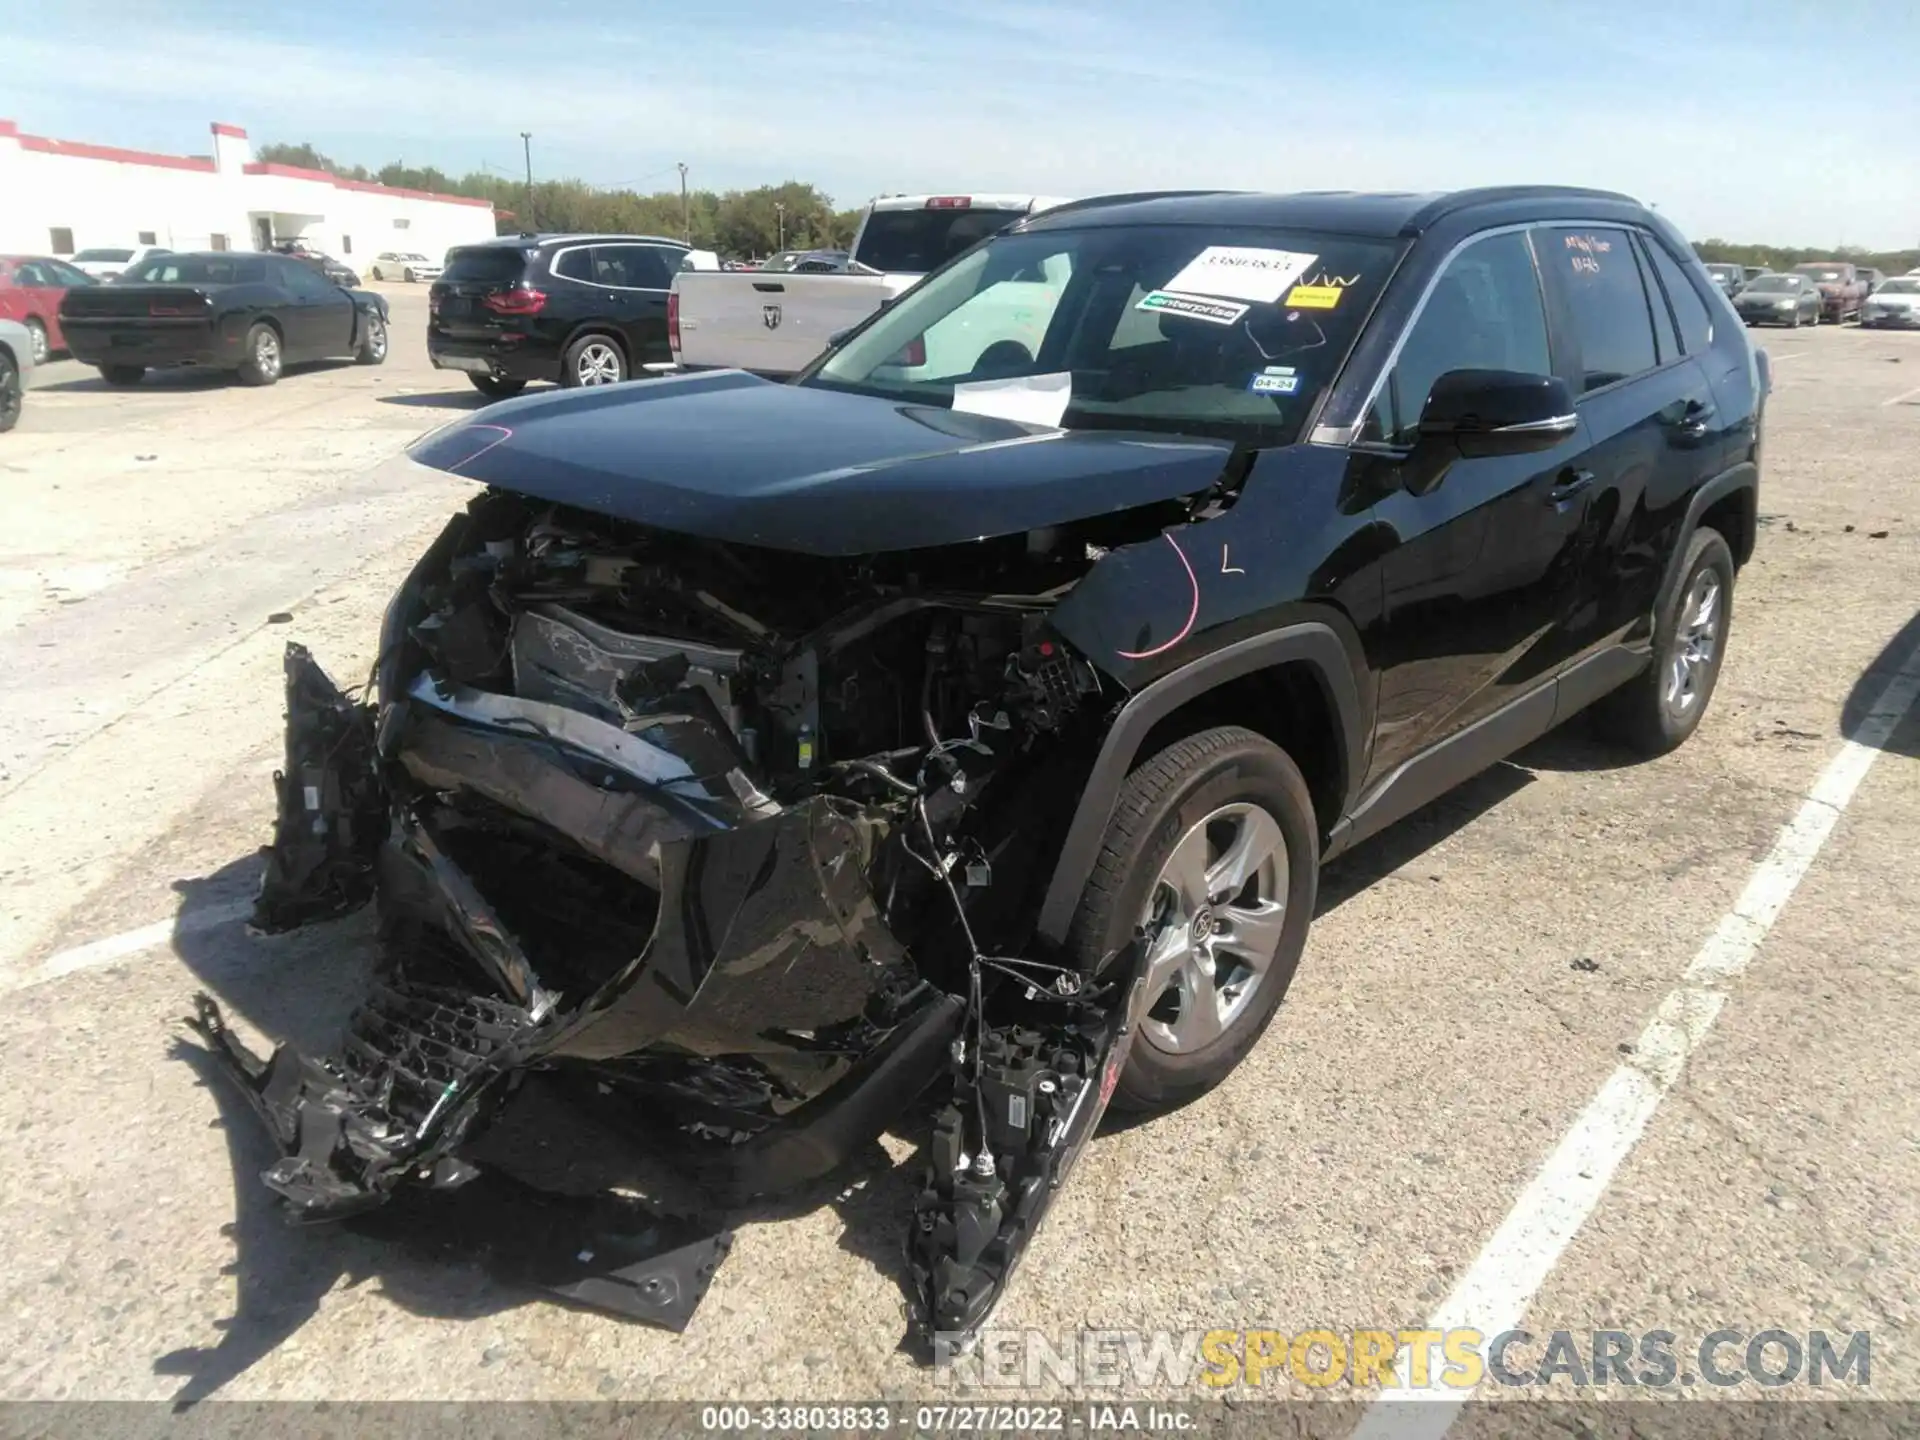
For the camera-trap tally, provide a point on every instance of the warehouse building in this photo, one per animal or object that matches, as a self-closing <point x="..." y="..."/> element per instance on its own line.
<point x="59" y="197"/>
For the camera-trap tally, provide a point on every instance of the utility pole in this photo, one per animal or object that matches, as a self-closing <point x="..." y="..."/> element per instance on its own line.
<point x="526" y="148"/>
<point x="780" y="217"/>
<point x="686" y="215"/>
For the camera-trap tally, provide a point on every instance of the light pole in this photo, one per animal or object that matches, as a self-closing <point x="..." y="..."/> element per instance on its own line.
<point x="780" y="217"/>
<point x="526" y="148"/>
<point x="686" y="215"/>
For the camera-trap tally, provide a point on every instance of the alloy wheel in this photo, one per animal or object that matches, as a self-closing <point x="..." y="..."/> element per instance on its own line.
<point x="599" y="364"/>
<point x="377" y="338"/>
<point x="1696" y="644"/>
<point x="37" y="342"/>
<point x="266" y="353"/>
<point x="1215" y="912"/>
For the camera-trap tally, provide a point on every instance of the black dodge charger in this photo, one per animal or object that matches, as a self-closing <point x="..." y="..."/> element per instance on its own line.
<point x="251" y="314"/>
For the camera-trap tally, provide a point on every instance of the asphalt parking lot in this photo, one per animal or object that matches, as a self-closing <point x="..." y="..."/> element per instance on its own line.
<point x="1473" y="980"/>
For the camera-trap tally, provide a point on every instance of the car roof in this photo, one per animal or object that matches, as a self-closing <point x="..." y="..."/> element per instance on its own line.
<point x="530" y="241"/>
<point x="1381" y="214"/>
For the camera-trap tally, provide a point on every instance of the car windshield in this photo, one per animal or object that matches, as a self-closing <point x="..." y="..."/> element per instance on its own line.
<point x="87" y="256"/>
<point x="1773" y="282"/>
<point x="1899" y="287"/>
<point x="1208" y="331"/>
<point x="1733" y="270"/>
<point x="196" y="270"/>
<point x="1821" y="272"/>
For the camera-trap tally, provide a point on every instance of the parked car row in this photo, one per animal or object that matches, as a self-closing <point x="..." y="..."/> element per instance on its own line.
<point x="1841" y="291"/>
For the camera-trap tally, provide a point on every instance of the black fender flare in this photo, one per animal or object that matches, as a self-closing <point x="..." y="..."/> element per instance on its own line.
<point x="1313" y="642"/>
<point x="1744" y="476"/>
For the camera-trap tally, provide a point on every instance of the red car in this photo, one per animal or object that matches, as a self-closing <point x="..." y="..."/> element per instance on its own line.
<point x="31" y="289"/>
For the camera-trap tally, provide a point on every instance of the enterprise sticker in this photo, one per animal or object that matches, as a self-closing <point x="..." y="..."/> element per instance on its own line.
<point x="1313" y="297"/>
<point x="1194" y="307"/>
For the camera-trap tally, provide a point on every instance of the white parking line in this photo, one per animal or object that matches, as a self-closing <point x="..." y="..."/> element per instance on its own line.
<point x="97" y="953"/>
<point x="1494" y="1294"/>
<point x="1908" y="395"/>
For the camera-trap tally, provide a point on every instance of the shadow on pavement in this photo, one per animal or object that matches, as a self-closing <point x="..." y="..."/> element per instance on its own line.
<point x="182" y="379"/>
<point x="300" y="988"/>
<point x="1902" y="650"/>
<point x="440" y="400"/>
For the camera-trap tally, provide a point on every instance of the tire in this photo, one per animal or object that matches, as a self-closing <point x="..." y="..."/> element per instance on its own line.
<point x="123" y="375"/>
<point x="1202" y="795"/>
<point x="265" y="358"/>
<point x="1815" y="322"/>
<point x="372" y="349"/>
<point x="37" y="343"/>
<point x="10" y="394"/>
<point x="1794" y="324"/>
<point x="495" y="388"/>
<point x="594" y="359"/>
<point x="1657" y="710"/>
<point x="407" y="275"/>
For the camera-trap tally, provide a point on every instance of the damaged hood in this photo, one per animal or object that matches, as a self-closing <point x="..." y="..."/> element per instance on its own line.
<point x="728" y="456"/>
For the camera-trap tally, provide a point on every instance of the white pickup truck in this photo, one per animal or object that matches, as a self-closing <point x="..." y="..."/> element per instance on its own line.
<point x="775" y="323"/>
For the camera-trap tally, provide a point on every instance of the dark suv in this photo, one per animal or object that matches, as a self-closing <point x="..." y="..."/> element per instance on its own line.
<point x="971" y="717"/>
<point x="578" y="309"/>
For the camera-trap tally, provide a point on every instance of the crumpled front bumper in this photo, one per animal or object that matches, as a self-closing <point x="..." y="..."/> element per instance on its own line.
<point x="764" y="997"/>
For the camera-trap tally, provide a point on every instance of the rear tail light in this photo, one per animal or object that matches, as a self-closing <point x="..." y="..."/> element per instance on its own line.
<point x="915" y="352"/>
<point x="949" y="202"/>
<point x="673" y="320"/>
<point x="516" y="302"/>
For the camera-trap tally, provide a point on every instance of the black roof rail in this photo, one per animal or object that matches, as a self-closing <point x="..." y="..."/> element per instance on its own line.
<point x="1132" y="197"/>
<point x="1460" y="200"/>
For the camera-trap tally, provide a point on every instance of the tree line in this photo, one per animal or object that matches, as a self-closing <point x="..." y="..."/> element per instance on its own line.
<point x="751" y="223"/>
<point x="1785" y="257"/>
<point x="740" y="224"/>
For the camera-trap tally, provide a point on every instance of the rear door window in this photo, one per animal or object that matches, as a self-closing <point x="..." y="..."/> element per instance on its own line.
<point x="1598" y="274"/>
<point x="488" y="265"/>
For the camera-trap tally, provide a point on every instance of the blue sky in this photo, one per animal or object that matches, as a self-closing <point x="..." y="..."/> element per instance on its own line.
<point x="1766" y="120"/>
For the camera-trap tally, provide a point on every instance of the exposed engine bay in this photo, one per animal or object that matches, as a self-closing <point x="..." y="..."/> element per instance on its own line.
<point x="750" y="842"/>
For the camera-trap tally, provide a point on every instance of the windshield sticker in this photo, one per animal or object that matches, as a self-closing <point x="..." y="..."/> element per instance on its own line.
<point x="1587" y="252"/>
<point x="1314" y="297"/>
<point x="1028" y="399"/>
<point x="1267" y="382"/>
<point x="1194" y="307"/>
<point x="1241" y="272"/>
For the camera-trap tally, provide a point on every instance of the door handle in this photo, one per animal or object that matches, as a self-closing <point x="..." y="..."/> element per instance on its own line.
<point x="1567" y="484"/>
<point x="1693" y="424"/>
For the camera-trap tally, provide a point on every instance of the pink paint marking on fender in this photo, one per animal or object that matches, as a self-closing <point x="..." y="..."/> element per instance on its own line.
<point x="1192" y="614"/>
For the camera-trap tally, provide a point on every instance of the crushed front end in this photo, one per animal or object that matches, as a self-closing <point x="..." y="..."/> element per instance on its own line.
<point x="751" y="844"/>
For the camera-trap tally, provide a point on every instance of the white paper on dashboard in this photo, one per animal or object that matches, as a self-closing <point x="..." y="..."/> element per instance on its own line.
<point x="1244" y="272"/>
<point x="1029" y="399"/>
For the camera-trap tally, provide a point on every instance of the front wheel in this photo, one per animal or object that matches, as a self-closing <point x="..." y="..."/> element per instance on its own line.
<point x="264" y="356"/>
<point x="1212" y="855"/>
<point x="496" y="388"/>
<point x="593" y="360"/>
<point x="122" y="374"/>
<point x="372" y="349"/>
<point x="1660" y="708"/>
<point x="408" y="277"/>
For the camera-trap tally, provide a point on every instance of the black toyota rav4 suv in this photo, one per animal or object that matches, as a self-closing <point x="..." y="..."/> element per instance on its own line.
<point x="579" y="309"/>
<point x="967" y="721"/>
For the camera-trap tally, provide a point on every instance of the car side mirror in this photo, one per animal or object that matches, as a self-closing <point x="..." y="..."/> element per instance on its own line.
<point x="838" y="338"/>
<point x="1483" y="413"/>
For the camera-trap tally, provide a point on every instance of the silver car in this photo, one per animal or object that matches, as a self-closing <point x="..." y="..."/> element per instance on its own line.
<point x="1895" y="305"/>
<point x="16" y="370"/>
